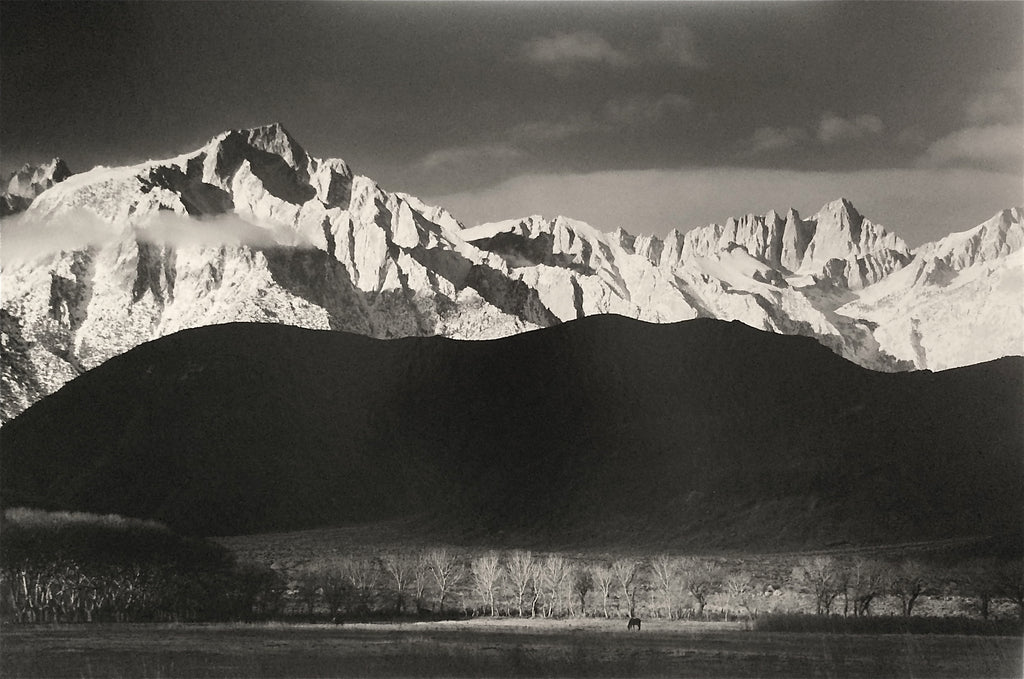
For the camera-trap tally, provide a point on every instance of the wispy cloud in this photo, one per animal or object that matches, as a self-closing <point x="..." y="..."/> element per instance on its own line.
<point x="834" y="129"/>
<point x="1000" y="99"/>
<point x="1000" y="147"/>
<point x="993" y="137"/>
<point x="553" y="130"/>
<point x="566" y="49"/>
<point x="563" y="52"/>
<point x="767" y="139"/>
<point x="27" y="237"/>
<point x="620" y="113"/>
<point x="677" y="44"/>
<point x="645" y="109"/>
<point x="471" y="154"/>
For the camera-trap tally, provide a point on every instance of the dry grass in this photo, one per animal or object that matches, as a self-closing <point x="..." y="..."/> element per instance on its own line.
<point x="498" y="648"/>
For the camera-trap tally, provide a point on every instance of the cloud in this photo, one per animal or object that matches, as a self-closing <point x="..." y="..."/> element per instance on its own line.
<point x="920" y="204"/>
<point x="833" y="129"/>
<point x="777" y="138"/>
<point x="553" y="130"/>
<point x="614" y="115"/>
<point x="644" y="109"/>
<point x="563" y="52"/>
<point x="999" y="100"/>
<point x="472" y="154"/>
<point x="227" y="229"/>
<point x="993" y="146"/>
<point x="676" y="44"/>
<point x="573" y="48"/>
<point x="27" y="238"/>
<point x="996" y="106"/>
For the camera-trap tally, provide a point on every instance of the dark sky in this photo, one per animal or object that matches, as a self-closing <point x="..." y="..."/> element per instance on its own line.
<point x="684" y="112"/>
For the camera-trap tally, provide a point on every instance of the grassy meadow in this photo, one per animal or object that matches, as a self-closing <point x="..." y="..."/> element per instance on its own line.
<point x="492" y="648"/>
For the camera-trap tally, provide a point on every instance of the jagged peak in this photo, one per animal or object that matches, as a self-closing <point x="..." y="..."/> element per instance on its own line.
<point x="841" y="206"/>
<point x="30" y="180"/>
<point x="1009" y="215"/>
<point x="271" y="138"/>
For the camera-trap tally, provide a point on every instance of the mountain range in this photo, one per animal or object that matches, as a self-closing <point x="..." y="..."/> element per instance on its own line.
<point x="602" y="431"/>
<point x="250" y="227"/>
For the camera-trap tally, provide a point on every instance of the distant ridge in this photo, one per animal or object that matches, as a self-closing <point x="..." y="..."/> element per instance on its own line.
<point x="702" y="434"/>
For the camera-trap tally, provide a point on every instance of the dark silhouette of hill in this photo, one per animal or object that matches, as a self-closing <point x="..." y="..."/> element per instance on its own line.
<point x="598" y="431"/>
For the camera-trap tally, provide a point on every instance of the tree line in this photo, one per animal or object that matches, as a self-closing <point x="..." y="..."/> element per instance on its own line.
<point x="64" y="567"/>
<point x="519" y="583"/>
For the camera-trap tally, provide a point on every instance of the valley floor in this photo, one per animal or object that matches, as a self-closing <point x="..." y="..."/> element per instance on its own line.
<point x="492" y="648"/>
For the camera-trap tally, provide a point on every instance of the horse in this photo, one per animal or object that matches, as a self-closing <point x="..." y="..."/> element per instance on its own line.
<point x="633" y="622"/>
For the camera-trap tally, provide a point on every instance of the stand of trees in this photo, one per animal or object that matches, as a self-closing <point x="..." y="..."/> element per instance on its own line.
<point x="519" y="583"/>
<point x="64" y="567"/>
<point x="81" y="568"/>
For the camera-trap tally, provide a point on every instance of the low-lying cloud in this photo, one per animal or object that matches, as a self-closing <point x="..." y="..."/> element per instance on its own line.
<point x="26" y="238"/>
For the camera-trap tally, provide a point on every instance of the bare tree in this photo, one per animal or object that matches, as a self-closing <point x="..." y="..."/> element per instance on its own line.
<point x="522" y="570"/>
<point x="908" y="582"/>
<point x="447" y="571"/>
<point x="307" y="588"/>
<point x="487" y="574"/>
<point x="604" y="578"/>
<point x="582" y="582"/>
<point x="627" y="572"/>
<point x="820" y="575"/>
<point x="362" y="575"/>
<point x="740" y="589"/>
<point x="1010" y="583"/>
<point x="664" y="572"/>
<point x="865" y="580"/>
<point x="554" y="571"/>
<point x="701" y="578"/>
<point x="420" y="580"/>
<point x="977" y="578"/>
<point x="336" y="590"/>
<point x="400" y="569"/>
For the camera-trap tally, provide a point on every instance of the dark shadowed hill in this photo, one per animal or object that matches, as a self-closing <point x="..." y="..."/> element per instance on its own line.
<point x="699" y="433"/>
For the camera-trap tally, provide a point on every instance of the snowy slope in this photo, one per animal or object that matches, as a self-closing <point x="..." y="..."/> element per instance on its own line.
<point x="252" y="228"/>
<point x="961" y="300"/>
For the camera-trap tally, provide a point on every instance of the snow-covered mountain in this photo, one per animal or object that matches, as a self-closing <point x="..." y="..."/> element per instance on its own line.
<point x="26" y="183"/>
<point x="252" y="228"/>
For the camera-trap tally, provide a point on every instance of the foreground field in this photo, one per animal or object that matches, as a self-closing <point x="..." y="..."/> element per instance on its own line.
<point x="499" y="648"/>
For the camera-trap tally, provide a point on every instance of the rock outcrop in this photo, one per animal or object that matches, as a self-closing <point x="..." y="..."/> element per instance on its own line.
<point x="25" y="184"/>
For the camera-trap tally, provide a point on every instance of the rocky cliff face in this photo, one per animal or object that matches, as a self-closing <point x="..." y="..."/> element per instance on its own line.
<point x="837" y="242"/>
<point x="25" y="184"/>
<point x="252" y="228"/>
